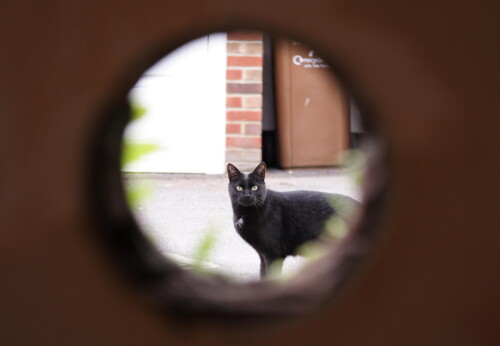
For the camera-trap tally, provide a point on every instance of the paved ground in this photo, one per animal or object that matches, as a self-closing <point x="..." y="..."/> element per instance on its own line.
<point x="182" y="208"/>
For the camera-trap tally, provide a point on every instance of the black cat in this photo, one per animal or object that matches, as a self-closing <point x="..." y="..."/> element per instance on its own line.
<point x="275" y="223"/>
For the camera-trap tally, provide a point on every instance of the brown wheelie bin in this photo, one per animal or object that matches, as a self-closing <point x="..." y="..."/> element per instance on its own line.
<point x="312" y="109"/>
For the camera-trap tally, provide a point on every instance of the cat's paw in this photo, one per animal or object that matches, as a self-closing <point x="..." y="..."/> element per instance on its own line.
<point x="239" y="224"/>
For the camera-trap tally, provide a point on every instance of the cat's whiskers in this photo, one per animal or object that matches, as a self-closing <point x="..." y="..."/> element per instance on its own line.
<point x="259" y="203"/>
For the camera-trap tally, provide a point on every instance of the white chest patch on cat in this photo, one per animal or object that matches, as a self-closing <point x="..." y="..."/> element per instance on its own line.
<point x="239" y="223"/>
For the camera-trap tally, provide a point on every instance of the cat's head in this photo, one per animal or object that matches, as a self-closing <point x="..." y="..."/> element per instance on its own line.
<point x="247" y="189"/>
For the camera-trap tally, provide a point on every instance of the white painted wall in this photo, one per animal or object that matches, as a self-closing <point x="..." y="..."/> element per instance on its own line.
<point x="185" y="98"/>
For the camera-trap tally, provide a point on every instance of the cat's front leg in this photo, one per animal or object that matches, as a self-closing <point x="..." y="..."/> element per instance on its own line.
<point x="264" y="266"/>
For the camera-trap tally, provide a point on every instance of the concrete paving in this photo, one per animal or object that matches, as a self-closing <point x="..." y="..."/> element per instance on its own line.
<point x="181" y="209"/>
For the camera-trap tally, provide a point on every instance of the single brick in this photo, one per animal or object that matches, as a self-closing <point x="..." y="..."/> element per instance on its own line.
<point x="233" y="129"/>
<point x="244" y="88"/>
<point x="254" y="101"/>
<point x="245" y="48"/>
<point x="244" y="61"/>
<point x="234" y="48"/>
<point x="253" y="129"/>
<point x="254" y="48"/>
<point x="234" y="74"/>
<point x="244" y="115"/>
<point x="244" y="36"/>
<point x="233" y="102"/>
<point x="252" y="75"/>
<point x="243" y="142"/>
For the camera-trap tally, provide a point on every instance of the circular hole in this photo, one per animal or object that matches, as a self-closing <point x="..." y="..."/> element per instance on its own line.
<point x="197" y="125"/>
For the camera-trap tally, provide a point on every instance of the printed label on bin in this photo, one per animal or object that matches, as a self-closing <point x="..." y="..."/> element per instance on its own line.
<point x="310" y="61"/>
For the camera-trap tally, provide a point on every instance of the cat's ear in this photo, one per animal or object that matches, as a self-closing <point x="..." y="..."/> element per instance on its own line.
<point x="260" y="170"/>
<point x="232" y="171"/>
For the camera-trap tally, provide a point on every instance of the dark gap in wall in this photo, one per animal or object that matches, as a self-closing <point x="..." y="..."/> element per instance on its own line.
<point x="269" y="140"/>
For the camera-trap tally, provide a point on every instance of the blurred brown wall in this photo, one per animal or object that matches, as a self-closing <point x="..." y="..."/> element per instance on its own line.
<point x="428" y="71"/>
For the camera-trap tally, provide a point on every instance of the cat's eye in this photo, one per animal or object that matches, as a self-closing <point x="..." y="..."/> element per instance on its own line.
<point x="255" y="188"/>
<point x="239" y="188"/>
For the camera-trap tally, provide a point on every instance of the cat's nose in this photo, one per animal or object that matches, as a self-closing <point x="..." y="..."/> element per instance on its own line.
<point x="247" y="197"/>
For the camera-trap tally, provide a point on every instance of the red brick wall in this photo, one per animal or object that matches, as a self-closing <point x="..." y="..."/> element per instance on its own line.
<point x="244" y="99"/>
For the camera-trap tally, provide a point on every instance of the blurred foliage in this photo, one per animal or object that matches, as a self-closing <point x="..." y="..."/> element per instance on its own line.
<point x="131" y="152"/>
<point x="355" y="162"/>
<point x="275" y="270"/>
<point x="337" y="228"/>
<point x="137" y="192"/>
<point x="137" y="112"/>
<point x="312" y="250"/>
<point x="134" y="151"/>
<point x="204" y="249"/>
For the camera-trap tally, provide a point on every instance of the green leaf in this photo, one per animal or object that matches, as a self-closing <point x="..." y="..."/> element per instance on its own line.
<point x="137" y="112"/>
<point x="203" y="250"/>
<point x="337" y="228"/>
<point x="137" y="192"/>
<point x="275" y="269"/>
<point x="312" y="250"/>
<point x="134" y="151"/>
